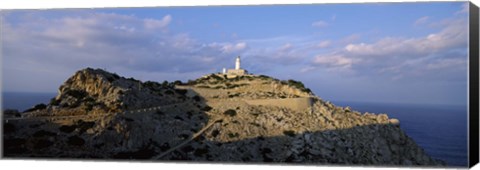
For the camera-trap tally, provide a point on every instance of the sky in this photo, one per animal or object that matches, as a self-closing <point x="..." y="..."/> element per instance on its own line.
<point x="370" y="52"/>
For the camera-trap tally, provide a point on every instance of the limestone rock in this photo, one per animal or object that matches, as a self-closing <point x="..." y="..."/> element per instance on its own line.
<point x="123" y="118"/>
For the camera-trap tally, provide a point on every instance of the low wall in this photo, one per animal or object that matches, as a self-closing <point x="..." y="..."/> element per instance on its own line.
<point x="298" y="104"/>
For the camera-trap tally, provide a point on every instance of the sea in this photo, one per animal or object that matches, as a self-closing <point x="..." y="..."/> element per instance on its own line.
<point x="441" y="130"/>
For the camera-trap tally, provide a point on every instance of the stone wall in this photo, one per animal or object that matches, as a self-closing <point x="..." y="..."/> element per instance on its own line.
<point x="297" y="104"/>
<point x="232" y="73"/>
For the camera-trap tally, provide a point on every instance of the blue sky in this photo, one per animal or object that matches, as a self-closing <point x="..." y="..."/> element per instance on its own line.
<point x="374" y="52"/>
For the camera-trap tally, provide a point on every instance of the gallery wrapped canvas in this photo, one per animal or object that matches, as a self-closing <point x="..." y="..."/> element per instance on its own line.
<point x="359" y="84"/>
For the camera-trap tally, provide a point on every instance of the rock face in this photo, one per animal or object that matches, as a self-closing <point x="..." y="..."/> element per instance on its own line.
<point x="208" y="119"/>
<point x="95" y="91"/>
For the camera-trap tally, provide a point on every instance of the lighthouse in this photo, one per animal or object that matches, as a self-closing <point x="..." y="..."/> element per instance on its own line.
<point x="237" y="63"/>
<point x="238" y="71"/>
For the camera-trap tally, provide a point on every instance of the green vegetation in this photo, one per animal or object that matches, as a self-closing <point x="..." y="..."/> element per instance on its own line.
<point x="200" y="152"/>
<point x="169" y="92"/>
<point x="233" y="135"/>
<point x="207" y="108"/>
<point x="230" y="112"/>
<point x="197" y="98"/>
<point x="132" y="79"/>
<point x="264" y="77"/>
<point x="231" y="86"/>
<point x="216" y="77"/>
<point x="152" y="85"/>
<point x="181" y="91"/>
<point x="289" y="132"/>
<point x="40" y="106"/>
<point x="78" y="94"/>
<point x="178" y="82"/>
<point x="215" y="133"/>
<point x="297" y="84"/>
<point x="91" y="102"/>
<point x="54" y="102"/>
<point x="234" y="95"/>
<point x="115" y="75"/>
<point x="75" y="141"/>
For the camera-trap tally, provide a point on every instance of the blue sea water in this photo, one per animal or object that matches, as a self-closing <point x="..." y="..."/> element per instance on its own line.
<point x="439" y="129"/>
<point x="24" y="100"/>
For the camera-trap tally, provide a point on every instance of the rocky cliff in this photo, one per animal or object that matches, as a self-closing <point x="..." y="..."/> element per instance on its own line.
<point x="102" y="115"/>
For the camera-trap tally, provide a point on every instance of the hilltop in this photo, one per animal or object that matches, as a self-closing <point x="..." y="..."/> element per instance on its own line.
<point x="249" y="118"/>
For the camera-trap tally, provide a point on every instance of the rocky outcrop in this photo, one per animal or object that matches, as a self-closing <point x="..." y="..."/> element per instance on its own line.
<point x="237" y="131"/>
<point x="97" y="91"/>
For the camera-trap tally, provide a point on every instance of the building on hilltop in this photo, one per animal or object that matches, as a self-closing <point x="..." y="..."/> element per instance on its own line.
<point x="231" y="73"/>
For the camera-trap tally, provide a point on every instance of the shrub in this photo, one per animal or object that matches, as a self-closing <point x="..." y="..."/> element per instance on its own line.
<point x="54" y="102"/>
<point x="115" y="75"/>
<point x="197" y="98"/>
<point x="79" y="94"/>
<point x="234" y="95"/>
<point x="151" y="84"/>
<point x="218" y="87"/>
<point x="203" y="86"/>
<point x="8" y="128"/>
<point x="181" y="91"/>
<point x="165" y="84"/>
<point x="191" y="82"/>
<point x="132" y="79"/>
<point x="76" y="141"/>
<point x="37" y="107"/>
<point x="230" y="112"/>
<point x="289" y="132"/>
<point x="200" y="152"/>
<point x="67" y="129"/>
<point x="43" y="133"/>
<point x="42" y="143"/>
<point x="297" y="84"/>
<point x="215" y="133"/>
<point x="178" y="82"/>
<point x="216" y="77"/>
<point x="207" y="108"/>
<point x="169" y="92"/>
<point x="233" y="135"/>
<point x="110" y="79"/>
<point x="11" y="112"/>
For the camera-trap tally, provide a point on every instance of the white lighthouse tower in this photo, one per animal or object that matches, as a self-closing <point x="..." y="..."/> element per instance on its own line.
<point x="232" y="73"/>
<point x="237" y="63"/>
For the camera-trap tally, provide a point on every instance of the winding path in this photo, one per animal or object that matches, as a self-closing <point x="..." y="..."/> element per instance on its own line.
<point x="142" y="110"/>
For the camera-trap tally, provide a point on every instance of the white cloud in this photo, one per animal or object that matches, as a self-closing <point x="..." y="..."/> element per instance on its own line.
<point x="307" y="69"/>
<point x="320" y="24"/>
<point x="324" y="44"/>
<point x="400" y="56"/>
<point x="229" y="47"/>
<point x="350" y="39"/>
<point x="454" y="35"/>
<point x="334" y="17"/>
<point x="157" y="24"/>
<point x="286" y="47"/>
<point x="80" y="39"/>
<point x="446" y="63"/>
<point x="333" y="60"/>
<point x="464" y="9"/>
<point x="421" y="20"/>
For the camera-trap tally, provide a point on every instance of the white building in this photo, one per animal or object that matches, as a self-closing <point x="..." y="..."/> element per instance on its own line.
<point x="237" y="71"/>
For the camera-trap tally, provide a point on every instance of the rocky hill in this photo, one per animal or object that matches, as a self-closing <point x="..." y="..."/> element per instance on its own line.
<point x="97" y="114"/>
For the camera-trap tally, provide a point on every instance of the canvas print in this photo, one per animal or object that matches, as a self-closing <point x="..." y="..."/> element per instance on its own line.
<point x="361" y="84"/>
